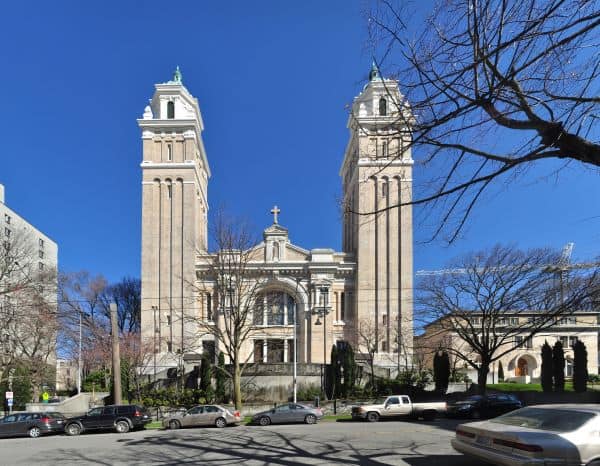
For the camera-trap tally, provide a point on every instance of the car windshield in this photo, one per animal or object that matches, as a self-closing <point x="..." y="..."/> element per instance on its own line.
<point x="558" y="420"/>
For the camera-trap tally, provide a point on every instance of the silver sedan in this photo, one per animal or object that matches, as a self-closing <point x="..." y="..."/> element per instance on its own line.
<point x="544" y="435"/>
<point x="204" y="415"/>
<point x="288" y="413"/>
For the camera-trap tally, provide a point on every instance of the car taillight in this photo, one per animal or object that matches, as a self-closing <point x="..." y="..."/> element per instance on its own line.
<point x="464" y="433"/>
<point x="237" y="414"/>
<point x="518" y="446"/>
<point x="137" y="413"/>
<point x="45" y="419"/>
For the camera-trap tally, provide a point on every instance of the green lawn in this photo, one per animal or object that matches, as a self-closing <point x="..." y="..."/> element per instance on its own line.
<point x="154" y="425"/>
<point x="524" y="387"/>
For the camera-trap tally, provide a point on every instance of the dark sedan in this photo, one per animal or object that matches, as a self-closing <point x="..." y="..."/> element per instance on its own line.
<point x="31" y="424"/>
<point x="478" y="407"/>
<point x="288" y="413"/>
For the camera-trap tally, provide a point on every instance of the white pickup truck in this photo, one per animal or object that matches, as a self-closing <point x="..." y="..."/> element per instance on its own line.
<point x="398" y="406"/>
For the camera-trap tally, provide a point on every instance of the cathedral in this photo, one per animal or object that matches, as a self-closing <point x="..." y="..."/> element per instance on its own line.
<point x="362" y="295"/>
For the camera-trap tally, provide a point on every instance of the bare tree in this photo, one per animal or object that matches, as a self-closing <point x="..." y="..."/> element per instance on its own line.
<point x="28" y="321"/>
<point x="83" y="311"/>
<point x="495" y="86"/>
<point x="235" y="286"/>
<point x="367" y="341"/>
<point x="491" y="297"/>
<point x="127" y="294"/>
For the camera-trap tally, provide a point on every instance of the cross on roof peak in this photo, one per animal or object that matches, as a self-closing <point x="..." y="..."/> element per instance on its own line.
<point x="275" y="211"/>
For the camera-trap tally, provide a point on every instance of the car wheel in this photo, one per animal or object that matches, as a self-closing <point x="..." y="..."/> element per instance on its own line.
<point x="429" y="415"/>
<point x="122" y="427"/>
<point x="264" y="421"/>
<point x="476" y="414"/>
<point x="34" y="432"/>
<point x="310" y="419"/>
<point x="372" y="416"/>
<point x="221" y="422"/>
<point x="73" y="429"/>
<point x="174" y="425"/>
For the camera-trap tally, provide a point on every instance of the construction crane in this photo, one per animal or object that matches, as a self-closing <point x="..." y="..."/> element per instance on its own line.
<point x="561" y="268"/>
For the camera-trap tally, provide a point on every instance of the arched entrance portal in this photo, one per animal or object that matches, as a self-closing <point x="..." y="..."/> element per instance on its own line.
<point x="522" y="368"/>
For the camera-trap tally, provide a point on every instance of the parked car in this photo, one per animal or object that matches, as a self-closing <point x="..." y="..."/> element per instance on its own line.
<point x="397" y="406"/>
<point x="288" y="413"/>
<point x="205" y="415"/>
<point x="32" y="424"/>
<point x="565" y="434"/>
<point x="478" y="406"/>
<point x="121" y="418"/>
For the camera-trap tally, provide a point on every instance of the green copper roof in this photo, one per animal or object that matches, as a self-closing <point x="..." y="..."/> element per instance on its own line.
<point x="374" y="73"/>
<point x="177" y="76"/>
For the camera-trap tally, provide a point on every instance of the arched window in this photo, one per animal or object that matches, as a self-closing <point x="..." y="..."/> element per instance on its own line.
<point x="171" y="109"/>
<point x="274" y="308"/>
<point x="382" y="107"/>
<point x="169" y="152"/>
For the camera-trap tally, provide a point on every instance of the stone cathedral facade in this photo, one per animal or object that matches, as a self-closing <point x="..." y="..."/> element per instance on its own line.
<point x="362" y="293"/>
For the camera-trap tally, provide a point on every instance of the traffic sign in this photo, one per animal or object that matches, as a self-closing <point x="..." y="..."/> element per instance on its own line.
<point x="10" y="401"/>
<point x="9" y="395"/>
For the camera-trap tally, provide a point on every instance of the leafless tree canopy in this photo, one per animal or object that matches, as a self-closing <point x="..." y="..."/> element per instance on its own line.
<point x="28" y="323"/>
<point x="478" y="302"/>
<point x="494" y="86"/>
<point x="230" y="279"/>
<point x="86" y="296"/>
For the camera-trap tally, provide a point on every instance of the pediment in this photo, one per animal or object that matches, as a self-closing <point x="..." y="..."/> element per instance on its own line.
<point x="276" y="229"/>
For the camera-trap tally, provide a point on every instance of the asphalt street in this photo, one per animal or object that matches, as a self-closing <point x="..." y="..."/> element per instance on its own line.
<point x="327" y="443"/>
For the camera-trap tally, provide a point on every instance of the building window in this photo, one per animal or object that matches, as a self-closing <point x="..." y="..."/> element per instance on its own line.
<point x="274" y="308"/>
<point x="385" y="319"/>
<point x="258" y="351"/>
<point x="41" y="242"/>
<point x="7" y="218"/>
<point x="567" y="321"/>
<point x="382" y="107"/>
<point x="168" y="320"/>
<point x="41" y="254"/>
<point x="384" y="346"/>
<point x="343" y="306"/>
<point x="169" y="191"/>
<point x="169" y="346"/>
<point x="522" y="342"/>
<point x="7" y="232"/>
<point x="384" y="189"/>
<point x="208" y="306"/>
<point x="384" y="149"/>
<point x="40" y="265"/>
<point x="568" y="342"/>
<point x="169" y="152"/>
<point x="170" y="110"/>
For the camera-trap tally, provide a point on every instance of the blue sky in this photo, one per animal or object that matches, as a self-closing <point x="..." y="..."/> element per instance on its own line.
<point x="273" y="79"/>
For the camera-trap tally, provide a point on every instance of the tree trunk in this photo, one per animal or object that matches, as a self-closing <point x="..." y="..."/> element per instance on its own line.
<point x="482" y="374"/>
<point x="237" y="386"/>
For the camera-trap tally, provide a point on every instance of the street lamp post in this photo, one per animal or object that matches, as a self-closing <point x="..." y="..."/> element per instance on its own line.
<point x="154" y="332"/>
<point x="322" y="311"/>
<point x="79" y="358"/>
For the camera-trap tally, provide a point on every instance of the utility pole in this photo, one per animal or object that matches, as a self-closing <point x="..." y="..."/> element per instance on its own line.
<point x="116" y="356"/>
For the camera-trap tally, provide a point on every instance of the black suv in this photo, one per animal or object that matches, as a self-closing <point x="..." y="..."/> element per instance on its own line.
<point x="121" y="418"/>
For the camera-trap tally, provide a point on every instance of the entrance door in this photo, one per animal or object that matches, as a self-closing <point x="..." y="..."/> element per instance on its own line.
<point x="522" y="369"/>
